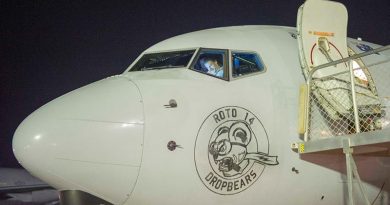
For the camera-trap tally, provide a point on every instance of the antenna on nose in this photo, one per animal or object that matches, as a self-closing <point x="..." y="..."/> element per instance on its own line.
<point x="172" y="104"/>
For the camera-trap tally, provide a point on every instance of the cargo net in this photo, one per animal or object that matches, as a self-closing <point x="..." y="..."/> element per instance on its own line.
<point x="331" y="111"/>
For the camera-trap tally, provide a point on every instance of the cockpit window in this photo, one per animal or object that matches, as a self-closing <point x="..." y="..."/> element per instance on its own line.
<point x="245" y="63"/>
<point x="212" y="62"/>
<point x="164" y="60"/>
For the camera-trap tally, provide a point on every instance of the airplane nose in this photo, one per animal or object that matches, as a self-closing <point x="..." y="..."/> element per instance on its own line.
<point x="89" y="139"/>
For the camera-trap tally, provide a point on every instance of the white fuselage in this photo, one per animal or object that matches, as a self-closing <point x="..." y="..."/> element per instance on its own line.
<point x="110" y="138"/>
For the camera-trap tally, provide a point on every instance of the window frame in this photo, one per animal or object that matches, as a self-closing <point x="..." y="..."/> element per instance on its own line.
<point x="226" y="75"/>
<point x="232" y="78"/>
<point x="165" y="51"/>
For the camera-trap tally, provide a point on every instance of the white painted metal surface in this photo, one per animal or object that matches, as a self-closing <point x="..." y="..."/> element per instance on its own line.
<point x="90" y="139"/>
<point x="322" y="35"/>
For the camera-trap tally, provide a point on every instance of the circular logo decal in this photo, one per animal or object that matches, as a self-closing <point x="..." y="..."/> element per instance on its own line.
<point x="231" y="150"/>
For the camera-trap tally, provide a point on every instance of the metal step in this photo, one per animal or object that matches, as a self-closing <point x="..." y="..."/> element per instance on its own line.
<point x="373" y="143"/>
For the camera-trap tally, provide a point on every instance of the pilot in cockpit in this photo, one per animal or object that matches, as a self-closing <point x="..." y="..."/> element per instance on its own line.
<point x="212" y="66"/>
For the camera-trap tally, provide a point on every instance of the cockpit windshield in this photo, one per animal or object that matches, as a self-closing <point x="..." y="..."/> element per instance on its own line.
<point x="164" y="60"/>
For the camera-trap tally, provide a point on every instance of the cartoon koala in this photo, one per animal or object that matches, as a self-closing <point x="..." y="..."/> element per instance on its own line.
<point x="229" y="149"/>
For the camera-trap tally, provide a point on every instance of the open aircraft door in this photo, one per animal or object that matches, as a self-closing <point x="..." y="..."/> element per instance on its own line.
<point x="322" y="39"/>
<point x="322" y="27"/>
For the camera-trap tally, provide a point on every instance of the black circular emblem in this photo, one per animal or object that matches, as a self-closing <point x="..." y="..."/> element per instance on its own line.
<point x="231" y="150"/>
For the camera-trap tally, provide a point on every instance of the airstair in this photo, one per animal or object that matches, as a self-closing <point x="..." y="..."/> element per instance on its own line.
<point x="345" y="103"/>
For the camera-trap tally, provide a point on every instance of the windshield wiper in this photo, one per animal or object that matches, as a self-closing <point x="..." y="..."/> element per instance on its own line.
<point x="162" y="67"/>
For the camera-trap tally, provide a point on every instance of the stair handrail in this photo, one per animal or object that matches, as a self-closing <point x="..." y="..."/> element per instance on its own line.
<point x="343" y="60"/>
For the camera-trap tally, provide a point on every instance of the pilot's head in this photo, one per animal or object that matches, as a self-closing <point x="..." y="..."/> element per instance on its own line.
<point x="210" y="63"/>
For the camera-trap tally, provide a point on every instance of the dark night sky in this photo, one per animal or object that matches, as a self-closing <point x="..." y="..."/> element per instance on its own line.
<point x="48" y="48"/>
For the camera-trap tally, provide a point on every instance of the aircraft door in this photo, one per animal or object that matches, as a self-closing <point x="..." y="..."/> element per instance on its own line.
<point x="322" y="38"/>
<point x="322" y="28"/>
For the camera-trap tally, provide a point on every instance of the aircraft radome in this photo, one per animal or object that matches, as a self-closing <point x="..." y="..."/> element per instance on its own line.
<point x="211" y="117"/>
